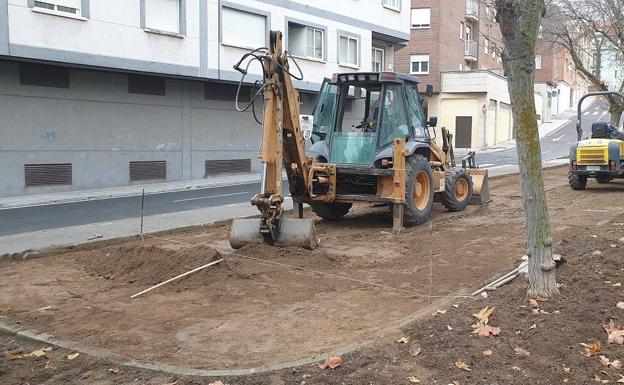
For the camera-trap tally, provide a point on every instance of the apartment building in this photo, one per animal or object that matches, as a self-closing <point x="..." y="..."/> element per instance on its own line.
<point x="97" y="93"/>
<point x="456" y="46"/>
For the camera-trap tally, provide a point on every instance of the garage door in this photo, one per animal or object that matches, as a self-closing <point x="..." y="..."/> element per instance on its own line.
<point x="463" y="131"/>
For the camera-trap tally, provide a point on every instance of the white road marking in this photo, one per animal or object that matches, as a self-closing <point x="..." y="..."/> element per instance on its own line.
<point x="596" y="113"/>
<point x="586" y="113"/>
<point x="558" y="138"/>
<point x="210" y="197"/>
<point x="487" y="165"/>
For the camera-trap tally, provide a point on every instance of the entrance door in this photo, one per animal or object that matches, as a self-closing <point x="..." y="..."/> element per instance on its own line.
<point x="463" y="131"/>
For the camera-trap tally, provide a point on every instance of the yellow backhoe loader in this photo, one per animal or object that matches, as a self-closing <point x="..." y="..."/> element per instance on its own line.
<point x="371" y="143"/>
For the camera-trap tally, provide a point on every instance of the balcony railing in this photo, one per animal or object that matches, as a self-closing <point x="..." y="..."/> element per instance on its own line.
<point x="470" y="50"/>
<point x="472" y="10"/>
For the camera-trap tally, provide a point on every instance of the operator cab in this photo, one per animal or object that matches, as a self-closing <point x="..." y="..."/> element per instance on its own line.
<point x="606" y="130"/>
<point x="358" y="115"/>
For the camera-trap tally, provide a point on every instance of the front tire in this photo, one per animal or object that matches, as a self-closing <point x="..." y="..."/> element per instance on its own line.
<point x="419" y="190"/>
<point x="331" y="211"/>
<point x="577" y="182"/>
<point x="457" y="189"/>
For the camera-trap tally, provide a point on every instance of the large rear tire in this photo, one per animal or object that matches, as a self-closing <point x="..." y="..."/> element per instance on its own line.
<point x="457" y="189"/>
<point x="577" y="182"/>
<point x="419" y="190"/>
<point x="331" y="211"/>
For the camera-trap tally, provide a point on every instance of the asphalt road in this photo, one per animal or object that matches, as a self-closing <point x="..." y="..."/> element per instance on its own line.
<point x="28" y="219"/>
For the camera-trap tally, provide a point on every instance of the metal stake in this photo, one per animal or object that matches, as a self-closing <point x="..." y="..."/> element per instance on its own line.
<point x="142" y="207"/>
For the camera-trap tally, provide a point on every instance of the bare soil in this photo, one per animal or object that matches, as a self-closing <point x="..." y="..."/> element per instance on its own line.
<point x="247" y="313"/>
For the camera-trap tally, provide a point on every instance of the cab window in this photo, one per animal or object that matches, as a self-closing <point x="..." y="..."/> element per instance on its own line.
<point x="415" y="111"/>
<point x="394" y="123"/>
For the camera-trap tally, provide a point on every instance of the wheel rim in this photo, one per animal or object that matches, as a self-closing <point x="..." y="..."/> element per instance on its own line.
<point x="422" y="190"/>
<point x="461" y="189"/>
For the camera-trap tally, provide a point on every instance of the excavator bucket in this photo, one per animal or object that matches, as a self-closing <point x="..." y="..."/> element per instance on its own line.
<point x="292" y="232"/>
<point x="480" y="186"/>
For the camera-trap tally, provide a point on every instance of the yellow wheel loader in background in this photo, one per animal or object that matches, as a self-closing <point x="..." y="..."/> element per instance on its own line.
<point x="602" y="155"/>
<point x="371" y="144"/>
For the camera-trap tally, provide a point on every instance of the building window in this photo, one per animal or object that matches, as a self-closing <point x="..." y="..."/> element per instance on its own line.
<point x="378" y="59"/>
<point x="60" y="7"/>
<point x="392" y="4"/>
<point x="419" y="64"/>
<point x="348" y="51"/>
<point x="486" y="46"/>
<point x="461" y="30"/>
<point x="146" y="85"/>
<point x="421" y="17"/>
<point x="252" y="36"/>
<point x="538" y="62"/>
<point x="162" y="15"/>
<point x="305" y="41"/>
<point x="32" y="74"/>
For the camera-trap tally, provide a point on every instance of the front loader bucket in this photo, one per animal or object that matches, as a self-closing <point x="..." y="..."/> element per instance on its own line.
<point x="293" y="232"/>
<point x="480" y="186"/>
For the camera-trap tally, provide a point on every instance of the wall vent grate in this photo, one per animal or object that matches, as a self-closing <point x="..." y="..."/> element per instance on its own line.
<point x="49" y="174"/>
<point x="148" y="170"/>
<point x="215" y="167"/>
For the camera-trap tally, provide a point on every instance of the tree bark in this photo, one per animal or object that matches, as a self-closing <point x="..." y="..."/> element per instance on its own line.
<point x="519" y="22"/>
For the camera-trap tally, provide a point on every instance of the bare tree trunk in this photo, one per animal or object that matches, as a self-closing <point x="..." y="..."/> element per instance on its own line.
<point x="519" y="22"/>
<point x="616" y="109"/>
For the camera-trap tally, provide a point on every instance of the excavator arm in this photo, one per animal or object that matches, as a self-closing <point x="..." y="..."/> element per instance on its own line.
<point x="282" y="149"/>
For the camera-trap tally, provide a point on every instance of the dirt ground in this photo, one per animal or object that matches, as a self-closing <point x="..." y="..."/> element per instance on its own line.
<point x="247" y="313"/>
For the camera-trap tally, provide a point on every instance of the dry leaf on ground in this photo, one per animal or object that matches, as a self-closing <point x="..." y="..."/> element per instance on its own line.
<point x="487" y="353"/>
<point x="615" y="332"/>
<point x="414" y="352"/>
<point x="331" y="362"/>
<point x="484" y="315"/>
<point x="486" y="331"/>
<point x="36" y="353"/>
<point x="567" y="370"/>
<point x="463" y="366"/>
<point x="402" y="340"/>
<point x="72" y="356"/>
<point x="449" y="327"/>
<point x="14" y="357"/>
<point x="114" y="370"/>
<point x="604" y="361"/>
<point x="616" y="364"/>
<point x="521" y="352"/>
<point x="413" y="380"/>
<point x="439" y="311"/>
<point x="620" y="305"/>
<point x="50" y="365"/>
<point x="532" y="327"/>
<point x="591" y="350"/>
<point x="621" y="380"/>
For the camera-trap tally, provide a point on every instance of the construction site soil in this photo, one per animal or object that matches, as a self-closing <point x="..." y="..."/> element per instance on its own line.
<point x="248" y="313"/>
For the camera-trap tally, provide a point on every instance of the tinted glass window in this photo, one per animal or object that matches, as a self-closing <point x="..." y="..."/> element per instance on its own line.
<point x="415" y="111"/>
<point x="394" y="123"/>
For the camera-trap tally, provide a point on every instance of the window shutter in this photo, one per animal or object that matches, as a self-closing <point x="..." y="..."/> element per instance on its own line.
<point x="253" y="34"/>
<point x="163" y="15"/>
<point x="421" y="17"/>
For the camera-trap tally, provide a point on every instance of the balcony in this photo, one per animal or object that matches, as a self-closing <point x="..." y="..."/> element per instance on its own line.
<point x="472" y="10"/>
<point x="470" y="50"/>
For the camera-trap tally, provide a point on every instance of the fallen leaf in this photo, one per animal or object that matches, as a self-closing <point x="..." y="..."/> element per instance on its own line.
<point x="449" y="328"/>
<point x="533" y="302"/>
<point x="50" y="365"/>
<point x="604" y="361"/>
<point x="331" y="362"/>
<point x="617" y="284"/>
<point x="484" y="315"/>
<point x="456" y="306"/>
<point x="439" y="311"/>
<point x="544" y="312"/>
<point x="535" y="311"/>
<point x="591" y="350"/>
<point x="402" y="340"/>
<point x="413" y="380"/>
<point x="486" y="331"/>
<point x="521" y="352"/>
<point x="615" y="332"/>
<point x="415" y="351"/>
<point x="613" y="245"/>
<point x="617" y="364"/>
<point x="72" y="356"/>
<point x="487" y="353"/>
<point x="114" y="370"/>
<point x="532" y="326"/>
<point x="14" y="357"/>
<point x="620" y="305"/>
<point x="36" y="353"/>
<point x="621" y="380"/>
<point x="567" y="370"/>
<point x="463" y="366"/>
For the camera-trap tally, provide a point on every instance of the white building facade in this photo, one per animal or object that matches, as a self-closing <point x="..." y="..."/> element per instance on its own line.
<point x="97" y="93"/>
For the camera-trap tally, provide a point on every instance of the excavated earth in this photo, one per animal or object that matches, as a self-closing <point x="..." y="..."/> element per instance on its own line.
<point x="247" y="313"/>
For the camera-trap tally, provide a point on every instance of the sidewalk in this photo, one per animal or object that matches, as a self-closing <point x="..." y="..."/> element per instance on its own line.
<point x="74" y="235"/>
<point x="125" y="191"/>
